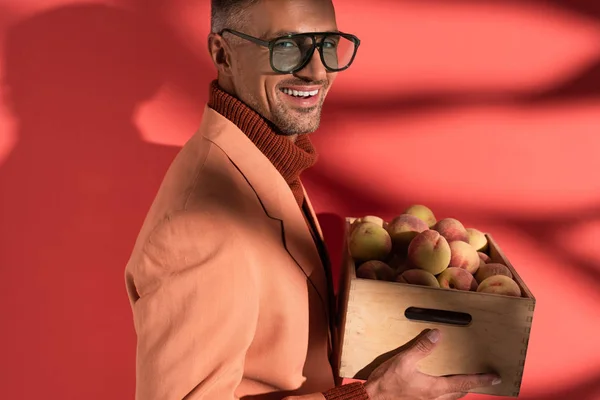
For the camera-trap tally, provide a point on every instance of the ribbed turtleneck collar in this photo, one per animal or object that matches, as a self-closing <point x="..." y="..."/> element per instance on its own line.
<point x="289" y="158"/>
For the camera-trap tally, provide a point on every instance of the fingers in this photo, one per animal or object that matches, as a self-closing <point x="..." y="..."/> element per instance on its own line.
<point x="464" y="383"/>
<point x="421" y="346"/>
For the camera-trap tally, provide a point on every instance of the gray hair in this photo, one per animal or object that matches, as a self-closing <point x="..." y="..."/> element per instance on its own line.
<point x="228" y="13"/>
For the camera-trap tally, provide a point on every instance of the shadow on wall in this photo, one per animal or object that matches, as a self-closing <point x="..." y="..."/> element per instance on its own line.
<point x="582" y="85"/>
<point x="586" y="83"/>
<point x="79" y="182"/>
<point x="75" y="191"/>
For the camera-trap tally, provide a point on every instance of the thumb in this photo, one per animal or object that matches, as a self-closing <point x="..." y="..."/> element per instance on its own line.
<point x="422" y="345"/>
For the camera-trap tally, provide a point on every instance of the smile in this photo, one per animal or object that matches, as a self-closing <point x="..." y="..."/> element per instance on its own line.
<point x="300" y="93"/>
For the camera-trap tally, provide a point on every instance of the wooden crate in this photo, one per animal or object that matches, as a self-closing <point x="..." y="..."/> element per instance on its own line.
<point x="373" y="323"/>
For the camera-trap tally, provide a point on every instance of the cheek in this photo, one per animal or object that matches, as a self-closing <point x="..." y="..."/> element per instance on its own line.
<point x="247" y="83"/>
<point x="270" y="88"/>
<point x="247" y="70"/>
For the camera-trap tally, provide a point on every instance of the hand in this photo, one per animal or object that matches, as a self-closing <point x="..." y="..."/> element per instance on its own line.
<point x="398" y="377"/>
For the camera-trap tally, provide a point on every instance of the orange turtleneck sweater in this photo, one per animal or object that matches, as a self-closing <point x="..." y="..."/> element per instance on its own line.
<point x="290" y="159"/>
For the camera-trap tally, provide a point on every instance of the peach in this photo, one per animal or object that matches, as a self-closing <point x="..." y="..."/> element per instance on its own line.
<point x="500" y="284"/>
<point x="481" y="263"/>
<point x="374" y="219"/>
<point x="474" y="284"/>
<point x="429" y="251"/>
<point x="492" y="269"/>
<point x="377" y="270"/>
<point x="464" y="256"/>
<point x="477" y="239"/>
<point x="403" y="229"/>
<point x="456" y="278"/>
<point x="452" y="229"/>
<point x="369" y="241"/>
<point x="484" y="257"/>
<point x="418" y="277"/>
<point x="422" y="212"/>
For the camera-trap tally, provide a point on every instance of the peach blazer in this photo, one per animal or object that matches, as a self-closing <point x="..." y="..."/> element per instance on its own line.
<point x="228" y="293"/>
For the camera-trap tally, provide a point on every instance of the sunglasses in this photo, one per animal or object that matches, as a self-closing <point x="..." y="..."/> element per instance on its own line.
<point x="291" y="53"/>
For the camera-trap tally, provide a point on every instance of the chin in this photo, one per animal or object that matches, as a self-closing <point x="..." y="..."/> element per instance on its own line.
<point x="290" y="130"/>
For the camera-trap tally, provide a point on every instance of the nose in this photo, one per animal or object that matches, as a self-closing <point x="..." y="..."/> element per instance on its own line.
<point x="314" y="70"/>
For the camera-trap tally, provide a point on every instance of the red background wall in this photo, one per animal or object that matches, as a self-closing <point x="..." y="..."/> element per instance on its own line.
<point x="485" y="111"/>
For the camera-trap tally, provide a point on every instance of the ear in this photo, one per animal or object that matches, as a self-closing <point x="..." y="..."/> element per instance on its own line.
<point x="220" y="53"/>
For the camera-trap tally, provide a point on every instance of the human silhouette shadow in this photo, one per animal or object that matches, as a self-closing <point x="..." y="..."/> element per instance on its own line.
<point x="75" y="191"/>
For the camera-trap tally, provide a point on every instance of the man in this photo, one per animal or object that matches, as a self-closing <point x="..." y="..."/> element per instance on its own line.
<point x="227" y="282"/>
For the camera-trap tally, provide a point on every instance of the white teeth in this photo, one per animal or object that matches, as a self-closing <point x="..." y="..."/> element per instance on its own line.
<point x="298" y="93"/>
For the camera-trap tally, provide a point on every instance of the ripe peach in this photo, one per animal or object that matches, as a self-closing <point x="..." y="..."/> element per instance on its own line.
<point x="374" y="219"/>
<point x="500" y="284"/>
<point x="484" y="257"/>
<point x="452" y="229"/>
<point x="477" y="239"/>
<point x="377" y="270"/>
<point x="429" y="251"/>
<point x="464" y="256"/>
<point x="422" y="212"/>
<point x="492" y="269"/>
<point x="456" y="278"/>
<point x="403" y="229"/>
<point x="369" y="218"/>
<point x="474" y="284"/>
<point x="418" y="277"/>
<point x="369" y="241"/>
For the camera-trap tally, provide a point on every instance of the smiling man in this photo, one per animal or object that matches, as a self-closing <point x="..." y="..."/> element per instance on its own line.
<point x="229" y="280"/>
<point x="282" y="76"/>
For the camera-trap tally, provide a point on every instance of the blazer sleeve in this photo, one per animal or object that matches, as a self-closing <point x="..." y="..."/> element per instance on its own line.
<point x="196" y="311"/>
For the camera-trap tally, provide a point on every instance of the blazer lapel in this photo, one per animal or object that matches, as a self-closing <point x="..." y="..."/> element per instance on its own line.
<point x="312" y="215"/>
<point x="273" y="192"/>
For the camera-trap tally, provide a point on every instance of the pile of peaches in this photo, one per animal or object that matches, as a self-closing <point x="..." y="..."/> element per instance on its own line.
<point x="415" y="248"/>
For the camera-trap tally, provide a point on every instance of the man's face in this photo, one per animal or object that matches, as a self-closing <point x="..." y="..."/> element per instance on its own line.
<point x="257" y="85"/>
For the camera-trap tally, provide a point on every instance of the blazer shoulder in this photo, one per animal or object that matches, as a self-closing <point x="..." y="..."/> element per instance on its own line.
<point x="219" y="183"/>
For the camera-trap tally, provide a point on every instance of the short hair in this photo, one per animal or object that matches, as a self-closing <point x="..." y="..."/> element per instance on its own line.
<point x="228" y="13"/>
